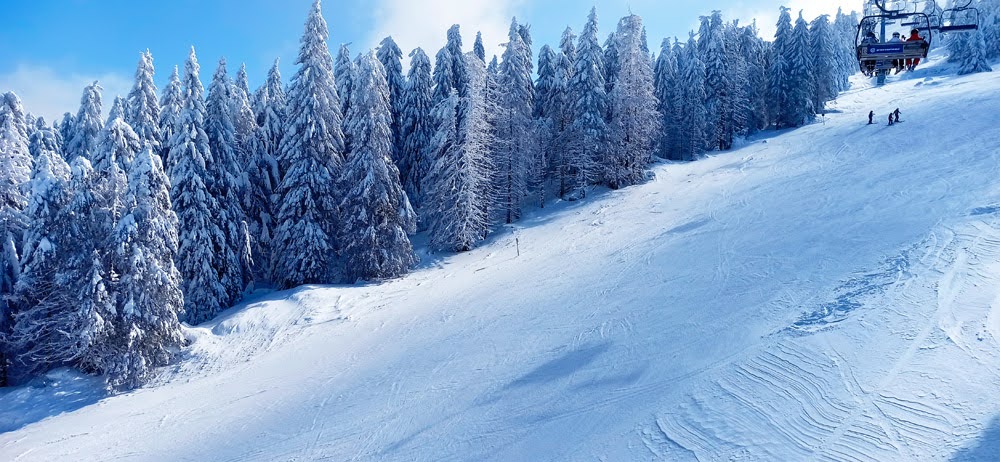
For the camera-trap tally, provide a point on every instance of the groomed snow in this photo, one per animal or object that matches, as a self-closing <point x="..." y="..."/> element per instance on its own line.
<point x="829" y="293"/>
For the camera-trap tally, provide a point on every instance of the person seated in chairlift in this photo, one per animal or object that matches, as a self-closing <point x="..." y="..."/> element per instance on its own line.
<point x="896" y="63"/>
<point x="869" y="64"/>
<point x="912" y="63"/>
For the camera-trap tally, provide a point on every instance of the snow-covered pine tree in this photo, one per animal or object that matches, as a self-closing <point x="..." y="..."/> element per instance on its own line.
<point x="45" y="138"/>
<point x="550" y="109"/>
<point x="391" y="58"/>
<point x="443" y="76"/>
<point x="778" y="84"/>
<point x="116" y="149"/>
<point x="800" y="56"/>
<point x="225" y="183"/>
<point x="492" y="96"/>
<point x="171" y="104"/>
<point x="269" y="108"/>
<point x="558" y="106"/>
<point x="478" y="49"/>
<point x="844" y="30"/>
<point x="47" y="193"/>
<point x="958" y="46"/>
<point x="458" y="187"/>
<point x="30" y="124"/>
<point x="245" y="123"/>
<point x="87" y="125"/>
<point x="344" y="72"/>
<point x="823" y="41"/>
<point x="417" y="127"/>
<point x="263" y="173"/>
<point x="990" y="17"/>
<point x="634" y="118"/>
<point x="71" y="320"/>
<point x="524" y="30"/>
<point x="665" y="85"/>
<point x="377" y="214"/>
<point x="449" y="67"/>
<point x="969" y="51"/>
<point x="147" y="330"/>
<point x="15" y="171"/>
<point x="644" y="45"/>
<point x="567" y="44"/>
<point x="245" y="128"/>
<point x="738" y="115"/>
<point x="754" y="51"/>
<point x="220" y="126"/>
<point x="142" y="108"/>
<point x="790" y="75"/>
<point x="610" y="63"/>
<point x="590" y="104"/>
<point x="516" y="144"/>
<point x="117" y="111"/>
<point x="304" y="244"/>
<point x="538" y="160"/>
<point x="54" y="132"/>
<point x="199" y="233"/>
<point x="493" y="70"/>
<point x="242" y="81"/>
<point x="689" y="103"/>
<point x="65" y="131"/>
<point x="719" y="83"/>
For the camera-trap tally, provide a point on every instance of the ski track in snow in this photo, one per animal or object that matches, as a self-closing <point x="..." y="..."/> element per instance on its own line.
<point x="831" y="293"/>
<point x="800" y="396"/>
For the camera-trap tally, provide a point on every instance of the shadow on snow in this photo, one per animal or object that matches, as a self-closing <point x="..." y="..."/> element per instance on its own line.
<point x="987" y="447"/>
<point x="57" y="392"/>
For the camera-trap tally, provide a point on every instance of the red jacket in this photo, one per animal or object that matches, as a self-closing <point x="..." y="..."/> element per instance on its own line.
<point x="915" y="36"/>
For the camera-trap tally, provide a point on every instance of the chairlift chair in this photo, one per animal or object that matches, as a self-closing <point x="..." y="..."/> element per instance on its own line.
<point x="882" y="55"/>
<point x="928" y="7"/>
<point x="960" y="17"/>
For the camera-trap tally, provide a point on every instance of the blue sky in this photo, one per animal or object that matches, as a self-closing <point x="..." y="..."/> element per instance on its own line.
<point x="52" y="48"/>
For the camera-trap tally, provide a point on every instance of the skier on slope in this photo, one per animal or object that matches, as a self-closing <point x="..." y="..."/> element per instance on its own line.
<point x="890" y="119"/>
<point x="871" y="117"/>
<point x="896" y="115"/>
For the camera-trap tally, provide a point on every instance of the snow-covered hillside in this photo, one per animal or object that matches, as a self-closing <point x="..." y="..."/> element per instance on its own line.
<point x="829" y="293"/>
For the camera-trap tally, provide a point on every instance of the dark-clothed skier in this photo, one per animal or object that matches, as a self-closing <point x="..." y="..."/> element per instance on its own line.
<point x="896" y="115"/>
<point x="871" y="117"/>
<point x="890" y="118"/>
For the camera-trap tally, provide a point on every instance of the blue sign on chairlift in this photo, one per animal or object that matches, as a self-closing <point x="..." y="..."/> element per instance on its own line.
<point x="885" y="48"/>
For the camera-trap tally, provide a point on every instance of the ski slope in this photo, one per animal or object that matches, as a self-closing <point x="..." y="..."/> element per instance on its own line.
<point x="827" y="293"/>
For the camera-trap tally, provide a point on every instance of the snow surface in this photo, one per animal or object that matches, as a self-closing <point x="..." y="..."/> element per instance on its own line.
<point x="829" y="293"/>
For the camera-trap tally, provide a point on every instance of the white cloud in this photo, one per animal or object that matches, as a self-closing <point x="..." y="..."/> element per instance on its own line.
<point x="425" y="23"/>
<point x="767" y="15"/>
<point x="46" y="93"/>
